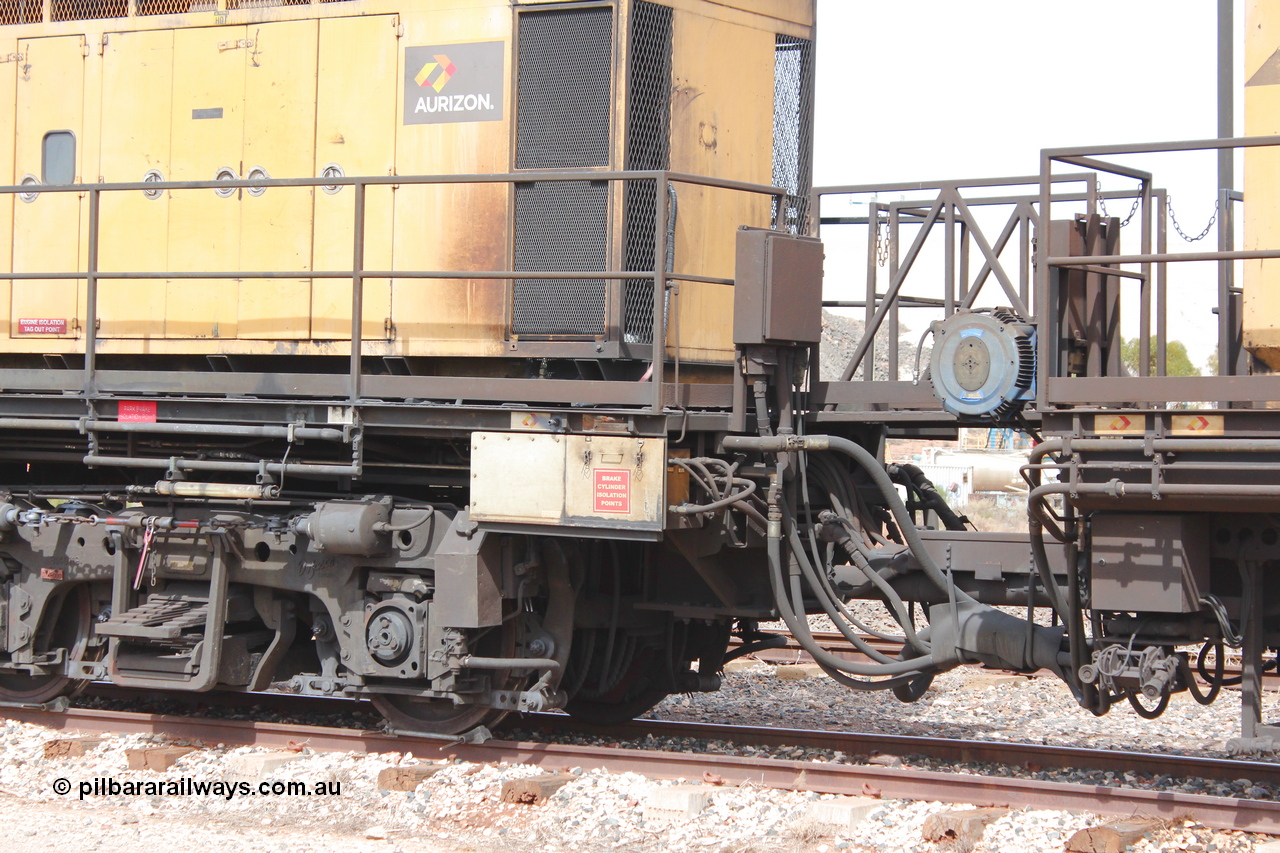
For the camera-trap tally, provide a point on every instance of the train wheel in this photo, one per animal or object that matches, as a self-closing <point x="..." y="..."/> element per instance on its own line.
<point x="442" y="716"/>
<point x="434" y="716"/>
<point x="66" y="626"/>
<point x="637" y="691"/>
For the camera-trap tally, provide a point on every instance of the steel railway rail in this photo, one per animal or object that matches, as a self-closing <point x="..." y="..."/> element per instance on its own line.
<point x="822" y="777"/>
<point x="995" y="785"/>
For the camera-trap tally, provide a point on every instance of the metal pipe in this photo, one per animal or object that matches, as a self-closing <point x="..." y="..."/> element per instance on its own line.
<point x="91" y="299"/>
<point x="357" y="292"/>
<point x="237" y="491"/>
<point x="217" y="465"/>
<point x="1165" y="257"/>
<point x="475" y="662"/>
<point x="85" y="425"/>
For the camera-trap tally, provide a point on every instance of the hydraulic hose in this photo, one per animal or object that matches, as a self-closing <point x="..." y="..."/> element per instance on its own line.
<point x="786" y="443"/>
<point x="832" y="665"/>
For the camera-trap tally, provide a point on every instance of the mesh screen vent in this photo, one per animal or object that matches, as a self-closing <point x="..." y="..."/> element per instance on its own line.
<point x="562" y="101"/>
<point x="793" y="129"/>
<point x="560" y="225"/>
<point x="648" y="147"/>
<point x="81" y="10"/>
<point x="21" y="11"/>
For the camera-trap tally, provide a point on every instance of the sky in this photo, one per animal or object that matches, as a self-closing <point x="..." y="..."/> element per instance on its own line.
<point x="927" y="89"/>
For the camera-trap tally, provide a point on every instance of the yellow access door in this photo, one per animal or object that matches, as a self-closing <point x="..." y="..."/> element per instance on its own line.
<point x="136" y="119"/>
<point x="206" y="139"/>
<point x="355" y="123"/>
<point x="8" y="83"/>
<point x="46" y="226"/>
<point x="279" y="133"/>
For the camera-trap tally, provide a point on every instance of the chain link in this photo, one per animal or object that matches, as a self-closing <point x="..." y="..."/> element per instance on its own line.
<point x="1102" y="204"/>
<point x="1176" y="227"/>
<point x="882" y="243"/>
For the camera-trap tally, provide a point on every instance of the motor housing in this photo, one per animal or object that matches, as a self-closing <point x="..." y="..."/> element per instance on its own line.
<point x="984" y="363"/>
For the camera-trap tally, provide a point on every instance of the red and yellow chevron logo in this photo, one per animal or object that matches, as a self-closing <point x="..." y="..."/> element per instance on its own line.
<point x="442" y="69"/>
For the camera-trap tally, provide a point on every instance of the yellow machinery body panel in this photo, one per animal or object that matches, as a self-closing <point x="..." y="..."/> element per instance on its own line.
<point x="1261" y="174"/>
<point x="378" y="88"/>
<point x="46" y="226"/>
<point x="135" y="145"/>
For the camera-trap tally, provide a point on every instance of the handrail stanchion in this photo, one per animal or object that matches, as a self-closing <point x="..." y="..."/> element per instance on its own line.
<point x="660" y="290"/>
<point x="91" y="298"/>
<point x="357" y="291"/>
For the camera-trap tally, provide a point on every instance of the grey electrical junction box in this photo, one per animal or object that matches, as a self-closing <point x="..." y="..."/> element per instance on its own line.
<point x="777" y="295"/>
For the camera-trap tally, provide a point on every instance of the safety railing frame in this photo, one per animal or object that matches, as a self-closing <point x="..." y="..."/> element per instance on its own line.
<point x="664" y="281"/>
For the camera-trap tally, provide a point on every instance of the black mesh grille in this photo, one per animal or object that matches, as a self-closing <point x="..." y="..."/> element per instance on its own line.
<point x="793" y="128"/>
<point x="648" y="147"/>
<point x="560" y="226"/>
<point x="21" y="11"/>
<point x="562" y="103"/>
<point x="562" y="122"/>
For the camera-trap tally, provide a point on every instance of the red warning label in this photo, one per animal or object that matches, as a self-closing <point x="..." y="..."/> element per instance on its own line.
<point x="42" y="326"/>
<point x="613" y="490"/>
<point x="136" y="411"/>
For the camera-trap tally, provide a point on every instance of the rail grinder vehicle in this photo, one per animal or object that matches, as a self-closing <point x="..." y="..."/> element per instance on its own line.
<point x="463" y="356"/>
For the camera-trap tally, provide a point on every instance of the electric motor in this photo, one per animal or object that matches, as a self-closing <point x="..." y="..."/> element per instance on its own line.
<point x="984" y="363"/>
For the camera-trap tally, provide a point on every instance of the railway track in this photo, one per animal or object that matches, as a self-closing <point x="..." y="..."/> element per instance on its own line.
<point x="990" y="787"/>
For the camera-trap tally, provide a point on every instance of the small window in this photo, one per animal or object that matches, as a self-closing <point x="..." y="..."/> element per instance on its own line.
<point x="59" y="163"/>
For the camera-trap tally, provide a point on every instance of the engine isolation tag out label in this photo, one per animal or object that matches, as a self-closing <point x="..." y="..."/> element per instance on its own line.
<point x="612" y="490"/>
<point x="42" y="326"/>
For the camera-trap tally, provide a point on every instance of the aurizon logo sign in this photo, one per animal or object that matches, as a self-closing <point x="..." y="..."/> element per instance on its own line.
<point x="441" y="68"/>
<point x="454" y="82"/>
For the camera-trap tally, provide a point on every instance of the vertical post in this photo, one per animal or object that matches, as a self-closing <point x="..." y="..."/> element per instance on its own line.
<point x="963" y="293"/>
<point x="949" y="256"/>
<point x="873" y="247"/>
<point x="1225" y="330"/>
<point x="91" y="299"/>
<point x="660" y="290"/>
<point x="1144" y="288"/>
<point x="1024" y="253"/>
<point x="1162" y="284"/>
<point x="1043" y="277"/>
<point x="357" y="291"/>
<point x="1226" y="95"/>
<point x="1254" y="647"/>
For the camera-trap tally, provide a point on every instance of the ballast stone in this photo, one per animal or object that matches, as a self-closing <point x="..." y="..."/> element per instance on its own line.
<point x="676" y="802"/>
<point x="842" y="813"/>
<point x="255" y="768"/>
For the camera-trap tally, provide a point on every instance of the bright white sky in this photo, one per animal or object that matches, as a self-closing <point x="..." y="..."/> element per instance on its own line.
<point x="933" y="89"/>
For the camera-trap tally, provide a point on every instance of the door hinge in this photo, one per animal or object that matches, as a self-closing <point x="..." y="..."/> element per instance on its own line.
<point x="397" y="26"/>
<point x="102" y="44"/>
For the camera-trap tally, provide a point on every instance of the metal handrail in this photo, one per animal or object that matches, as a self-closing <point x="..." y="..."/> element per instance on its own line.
<point x="661" y="277"/>
<point x="1055" y="390"/>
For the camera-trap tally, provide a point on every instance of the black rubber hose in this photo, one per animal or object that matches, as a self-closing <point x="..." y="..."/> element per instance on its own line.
<point x="879" y="477"/>
<point x="915" y="478"/>
<point x="800" y="630"/>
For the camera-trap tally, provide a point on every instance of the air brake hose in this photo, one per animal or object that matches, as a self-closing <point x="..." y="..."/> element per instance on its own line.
<point x="786" y="443"/>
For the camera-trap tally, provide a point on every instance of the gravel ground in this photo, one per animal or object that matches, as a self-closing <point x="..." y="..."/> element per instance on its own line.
<point x="458" y="809"/>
